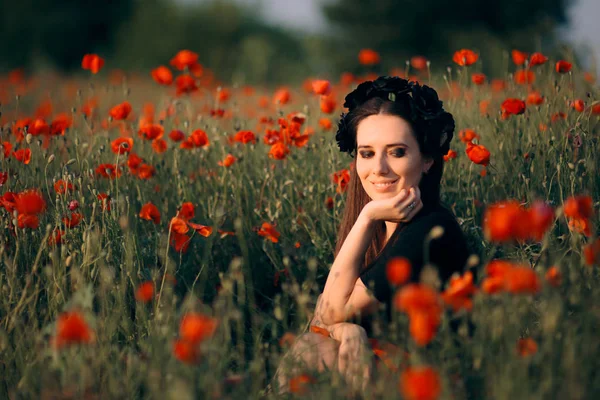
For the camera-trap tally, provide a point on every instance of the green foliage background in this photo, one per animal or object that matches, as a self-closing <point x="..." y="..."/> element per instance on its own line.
<point x="234" y="41"/>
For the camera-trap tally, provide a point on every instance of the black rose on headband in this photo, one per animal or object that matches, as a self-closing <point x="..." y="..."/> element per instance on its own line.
<point x="381" y="87"/>
<point x="426" y="102"/>
<point x="421" y="105"/>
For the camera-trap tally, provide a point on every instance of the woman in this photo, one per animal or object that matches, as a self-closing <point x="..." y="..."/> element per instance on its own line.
<point x="399" y="132"/>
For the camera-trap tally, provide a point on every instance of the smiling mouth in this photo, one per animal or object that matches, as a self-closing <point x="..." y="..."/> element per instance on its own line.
<point x="384" y="185"/>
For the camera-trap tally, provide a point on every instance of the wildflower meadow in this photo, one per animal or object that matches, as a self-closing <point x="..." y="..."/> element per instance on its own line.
<point x="165" y="235"/>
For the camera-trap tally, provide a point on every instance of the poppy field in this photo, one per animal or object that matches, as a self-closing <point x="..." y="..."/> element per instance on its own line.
<point x="166" y="235"/>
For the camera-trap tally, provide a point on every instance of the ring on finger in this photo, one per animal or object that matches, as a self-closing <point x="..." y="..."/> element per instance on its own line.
<point x="411" y="206"/>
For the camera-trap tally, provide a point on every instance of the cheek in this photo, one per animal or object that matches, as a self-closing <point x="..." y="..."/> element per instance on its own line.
<point x="362" y="169"/>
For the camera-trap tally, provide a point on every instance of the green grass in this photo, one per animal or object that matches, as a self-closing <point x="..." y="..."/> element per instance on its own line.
<point x="102" y="261"/>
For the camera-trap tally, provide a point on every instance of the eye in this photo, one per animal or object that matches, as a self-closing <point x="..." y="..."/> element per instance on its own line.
<point x="366" y="154"/>
<point x="399" y="152"/>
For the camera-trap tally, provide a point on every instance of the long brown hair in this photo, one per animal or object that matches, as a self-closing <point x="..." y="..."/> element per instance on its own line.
<point x="357" y="198"/>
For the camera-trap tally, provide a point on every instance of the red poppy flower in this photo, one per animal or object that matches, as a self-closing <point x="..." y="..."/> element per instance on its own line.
<point x="72" y="328"/>
<point x="176" y="135"/>
<point x="368" y="57"/>
<point x="151" y="131"/>
<point x="198" y="71"/>
<point x="420" y="383"/>
<point x="578" y="105"/>
<point x="72" y="221"/>
<point x="3" y="178"/>
<point x="450" y="155"/>
<point x="62" y="187"/>
<point x="562" y="67"/>
<point x="341" y="178"/>
<point x="465" y="57"/>
<point x="279" y="151"/>
<point x="519" y="57"/>
<point x="418" y="62"/>
<point x="195" y="327"/>
<point x="579" y="207"/>
<point x="512" y="106"/>
<point x="28" y="221"/>
<point x="133" y="162"/>
<point x="6" y="149"/>
<point x="203" y="230"/>
<point x="146" y="171"/>
<point x="478" y="154"/>
<point x="30" y="202"/>
<point x="186" y="352"/>
<point x="535" y="98"/>
<point x="526" y="347"/>
<point x="228" y="161"/>
<point x="109" y="171"/>
<point x="459" y="292"/>
<point x="267" y="230"/>
<point x="150" y="212"/>
<point x="524" y="76"/>
<point x="537" y="59"/>
<point x="478" y="78"/>
<point x="467" y="135"/>
<point x="510" y="277"/>
<point x="397" y="271"/>
<point x="184" y="59"/>
<point x="120" y="111"/>
<point x="159" y="146"/>
<point x="199" y="138"/>
<point x="321" y="86"/>
<point x="244" y="137"/>
<point x="121" y="145"/>
<point x="423" y="306"/>
<point x="92" y="62"/>
<point x="162" y="75"/>
<point x="60" y="124"/>
<point x="145" y="292"/>
<point x="282" y="96"/>
<point x="327" y="104"/>
<point x="187" y="211"/>
<point x="8" y="201"/>
<point x="39" y="127"/>
<point x="180" y="242"/>
<point x="185" y="84"/>
<point x="325" y="123"/>
<point x="540" y="218"/>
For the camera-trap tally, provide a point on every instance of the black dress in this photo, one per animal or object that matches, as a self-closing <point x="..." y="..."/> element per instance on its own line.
<point x="448" y="253"/>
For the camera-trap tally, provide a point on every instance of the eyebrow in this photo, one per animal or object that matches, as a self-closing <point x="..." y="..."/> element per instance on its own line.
<point x="387" y="146"/>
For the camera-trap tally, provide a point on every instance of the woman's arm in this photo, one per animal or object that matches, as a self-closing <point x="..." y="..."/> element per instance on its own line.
<point x="338" y="302"/>
<point x="345" y="271"/>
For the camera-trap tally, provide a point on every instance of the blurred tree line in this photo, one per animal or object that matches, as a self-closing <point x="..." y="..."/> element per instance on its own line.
<point x="234" y="42"/>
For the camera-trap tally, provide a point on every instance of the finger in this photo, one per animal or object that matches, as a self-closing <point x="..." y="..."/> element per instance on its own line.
<point x="411" y="213"/>
<point x="401" y="195"/>
<point x="409" y="207"/>
<point x="403" y="204"/>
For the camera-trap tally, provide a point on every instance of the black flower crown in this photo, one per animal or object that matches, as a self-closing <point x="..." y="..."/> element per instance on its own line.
<point x="421" y="103"/>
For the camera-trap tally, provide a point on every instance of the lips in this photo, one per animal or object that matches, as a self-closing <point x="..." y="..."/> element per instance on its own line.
<point x="384" y="185"/>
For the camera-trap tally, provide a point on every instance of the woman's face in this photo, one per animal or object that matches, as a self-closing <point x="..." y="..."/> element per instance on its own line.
<point x="388" y="156"/>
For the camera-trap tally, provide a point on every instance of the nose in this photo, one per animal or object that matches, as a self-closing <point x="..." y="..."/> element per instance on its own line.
<point x="381" y="166"/>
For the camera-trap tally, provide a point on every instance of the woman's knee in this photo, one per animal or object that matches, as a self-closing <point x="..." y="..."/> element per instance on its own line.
<point x="316" y="349"/>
